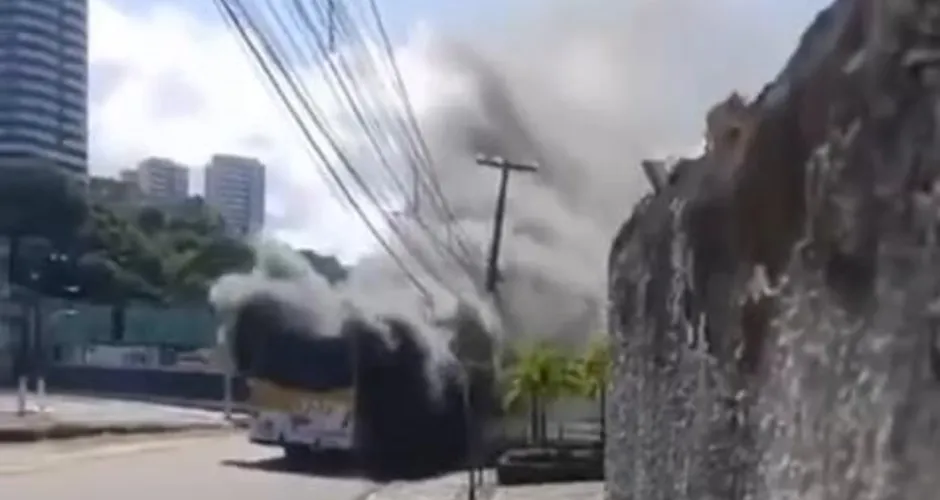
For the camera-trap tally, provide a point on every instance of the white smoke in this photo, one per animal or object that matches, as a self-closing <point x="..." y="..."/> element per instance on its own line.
<point x="587" y="91"/>
<point x="281" y="273"/>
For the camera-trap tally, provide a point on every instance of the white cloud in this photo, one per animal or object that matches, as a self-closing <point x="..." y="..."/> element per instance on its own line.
<point x="169" y="84"/>
<point x="151" y="52"/>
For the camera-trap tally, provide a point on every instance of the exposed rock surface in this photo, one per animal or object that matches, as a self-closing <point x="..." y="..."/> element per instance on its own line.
<point x="771" y="306"/>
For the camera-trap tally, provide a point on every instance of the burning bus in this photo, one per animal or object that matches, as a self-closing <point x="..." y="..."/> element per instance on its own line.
<point x="366" y="392"/>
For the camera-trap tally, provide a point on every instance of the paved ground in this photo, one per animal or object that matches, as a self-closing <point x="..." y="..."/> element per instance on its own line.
<point x="204" y="464"/>
<point x="449" y="487"/>
<point x="219" y="468"/>
<point x="90" y="409"/>
<point x="453" y="487"/>
<point x="216" y="467"/>
<point x="17" y="458"/>
<point x="68" y="416"/>
<point x="569" y="491"/>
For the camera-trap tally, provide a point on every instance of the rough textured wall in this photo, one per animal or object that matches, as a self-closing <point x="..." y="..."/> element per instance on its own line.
<point x="772" y="307"/>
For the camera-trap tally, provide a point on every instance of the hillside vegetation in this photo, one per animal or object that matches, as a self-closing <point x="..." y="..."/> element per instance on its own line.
<point x="62" y="244"/>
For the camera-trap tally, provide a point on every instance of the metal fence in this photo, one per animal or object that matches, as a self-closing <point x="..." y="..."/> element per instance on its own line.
<point x="85" y="323"/>
<point x="142" y="350"/>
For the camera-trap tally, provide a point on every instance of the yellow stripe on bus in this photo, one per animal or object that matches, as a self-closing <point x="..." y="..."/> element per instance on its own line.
<point x="269" y="396"/>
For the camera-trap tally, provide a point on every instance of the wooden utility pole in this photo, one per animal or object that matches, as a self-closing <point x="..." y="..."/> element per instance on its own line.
<point x="492" y="271"/>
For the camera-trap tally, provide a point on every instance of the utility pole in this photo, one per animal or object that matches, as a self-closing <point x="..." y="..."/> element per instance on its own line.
<point x="492" y="271"/>
<point x="492" y="276"/>
<point x="45" y="329"/>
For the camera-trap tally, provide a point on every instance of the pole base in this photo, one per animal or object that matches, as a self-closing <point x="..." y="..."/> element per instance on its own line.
<point x="21" y="400"/>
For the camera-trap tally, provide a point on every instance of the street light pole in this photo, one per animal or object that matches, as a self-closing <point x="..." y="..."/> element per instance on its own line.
<point x="492" y="272"/>
<point x="40" y="327"/>
<point x="42" y="359"/>
<point x="24" y="358"/>
<point x="225" y="356"/>
<point x="21" y="391"/>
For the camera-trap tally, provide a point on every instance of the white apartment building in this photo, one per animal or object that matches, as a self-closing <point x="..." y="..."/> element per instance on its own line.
<point x="235" y="188"/>
<point x="161" y="180"/>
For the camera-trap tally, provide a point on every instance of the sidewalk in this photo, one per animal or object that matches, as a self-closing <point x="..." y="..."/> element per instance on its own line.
<point x="454" y="487"/>
<point x="448" y="487"/>
<point x="81" y="416"/>
<point x="593" y="490"/>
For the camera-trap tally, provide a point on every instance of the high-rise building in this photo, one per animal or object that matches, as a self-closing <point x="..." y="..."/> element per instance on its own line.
<point x="162" y="181"/>
<point x="44" y="82"/>
<point x="235" y="188"/>
<point x="129" y="176"/>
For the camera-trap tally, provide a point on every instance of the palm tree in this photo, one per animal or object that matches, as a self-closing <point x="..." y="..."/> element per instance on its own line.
<point x="538" y="375"/>
<point x="593" y="373"/>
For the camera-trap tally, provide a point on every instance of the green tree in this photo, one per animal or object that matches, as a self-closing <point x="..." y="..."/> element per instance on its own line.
<point x="539" y="374"/>
<point x="193" y="270"/>
<point x="593" y="373"/>
<point x="156" y="254"/>
<point x="103" y="279"/>
<point x="38" y="200"/>
<point x="116" y="260"/>
<point x="117" y="253"/>
<point x="151" y="220"/>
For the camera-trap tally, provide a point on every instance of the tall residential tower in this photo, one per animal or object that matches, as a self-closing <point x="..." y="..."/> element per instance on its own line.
<point x="44" y="82"/>
<point x="235" y="188"/>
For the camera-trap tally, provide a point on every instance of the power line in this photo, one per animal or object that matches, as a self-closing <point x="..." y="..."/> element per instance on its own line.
<point x="233" y="20"/>
<point x="351" y="102"/>
<point x="400" y="124"/>
<point x="350" y="94"/>
<point x="419" y="153"/>
<point x="412" y="120"/>
<point x="461" y="260"/>
<point x="264" y="43"/>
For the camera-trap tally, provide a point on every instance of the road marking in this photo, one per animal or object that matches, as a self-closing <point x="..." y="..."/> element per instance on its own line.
<point x="49" y="460"/>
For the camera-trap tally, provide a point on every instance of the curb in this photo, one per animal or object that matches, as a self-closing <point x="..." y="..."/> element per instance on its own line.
<point x="196" y="404"/>
<point x="442" y="488"/>
<point x="57" y="431"/>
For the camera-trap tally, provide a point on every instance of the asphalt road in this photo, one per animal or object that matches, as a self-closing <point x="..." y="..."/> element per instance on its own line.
<point x="204" y="468"/>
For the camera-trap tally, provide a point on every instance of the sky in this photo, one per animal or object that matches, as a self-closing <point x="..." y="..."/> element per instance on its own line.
<point x="168" y="80"/>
